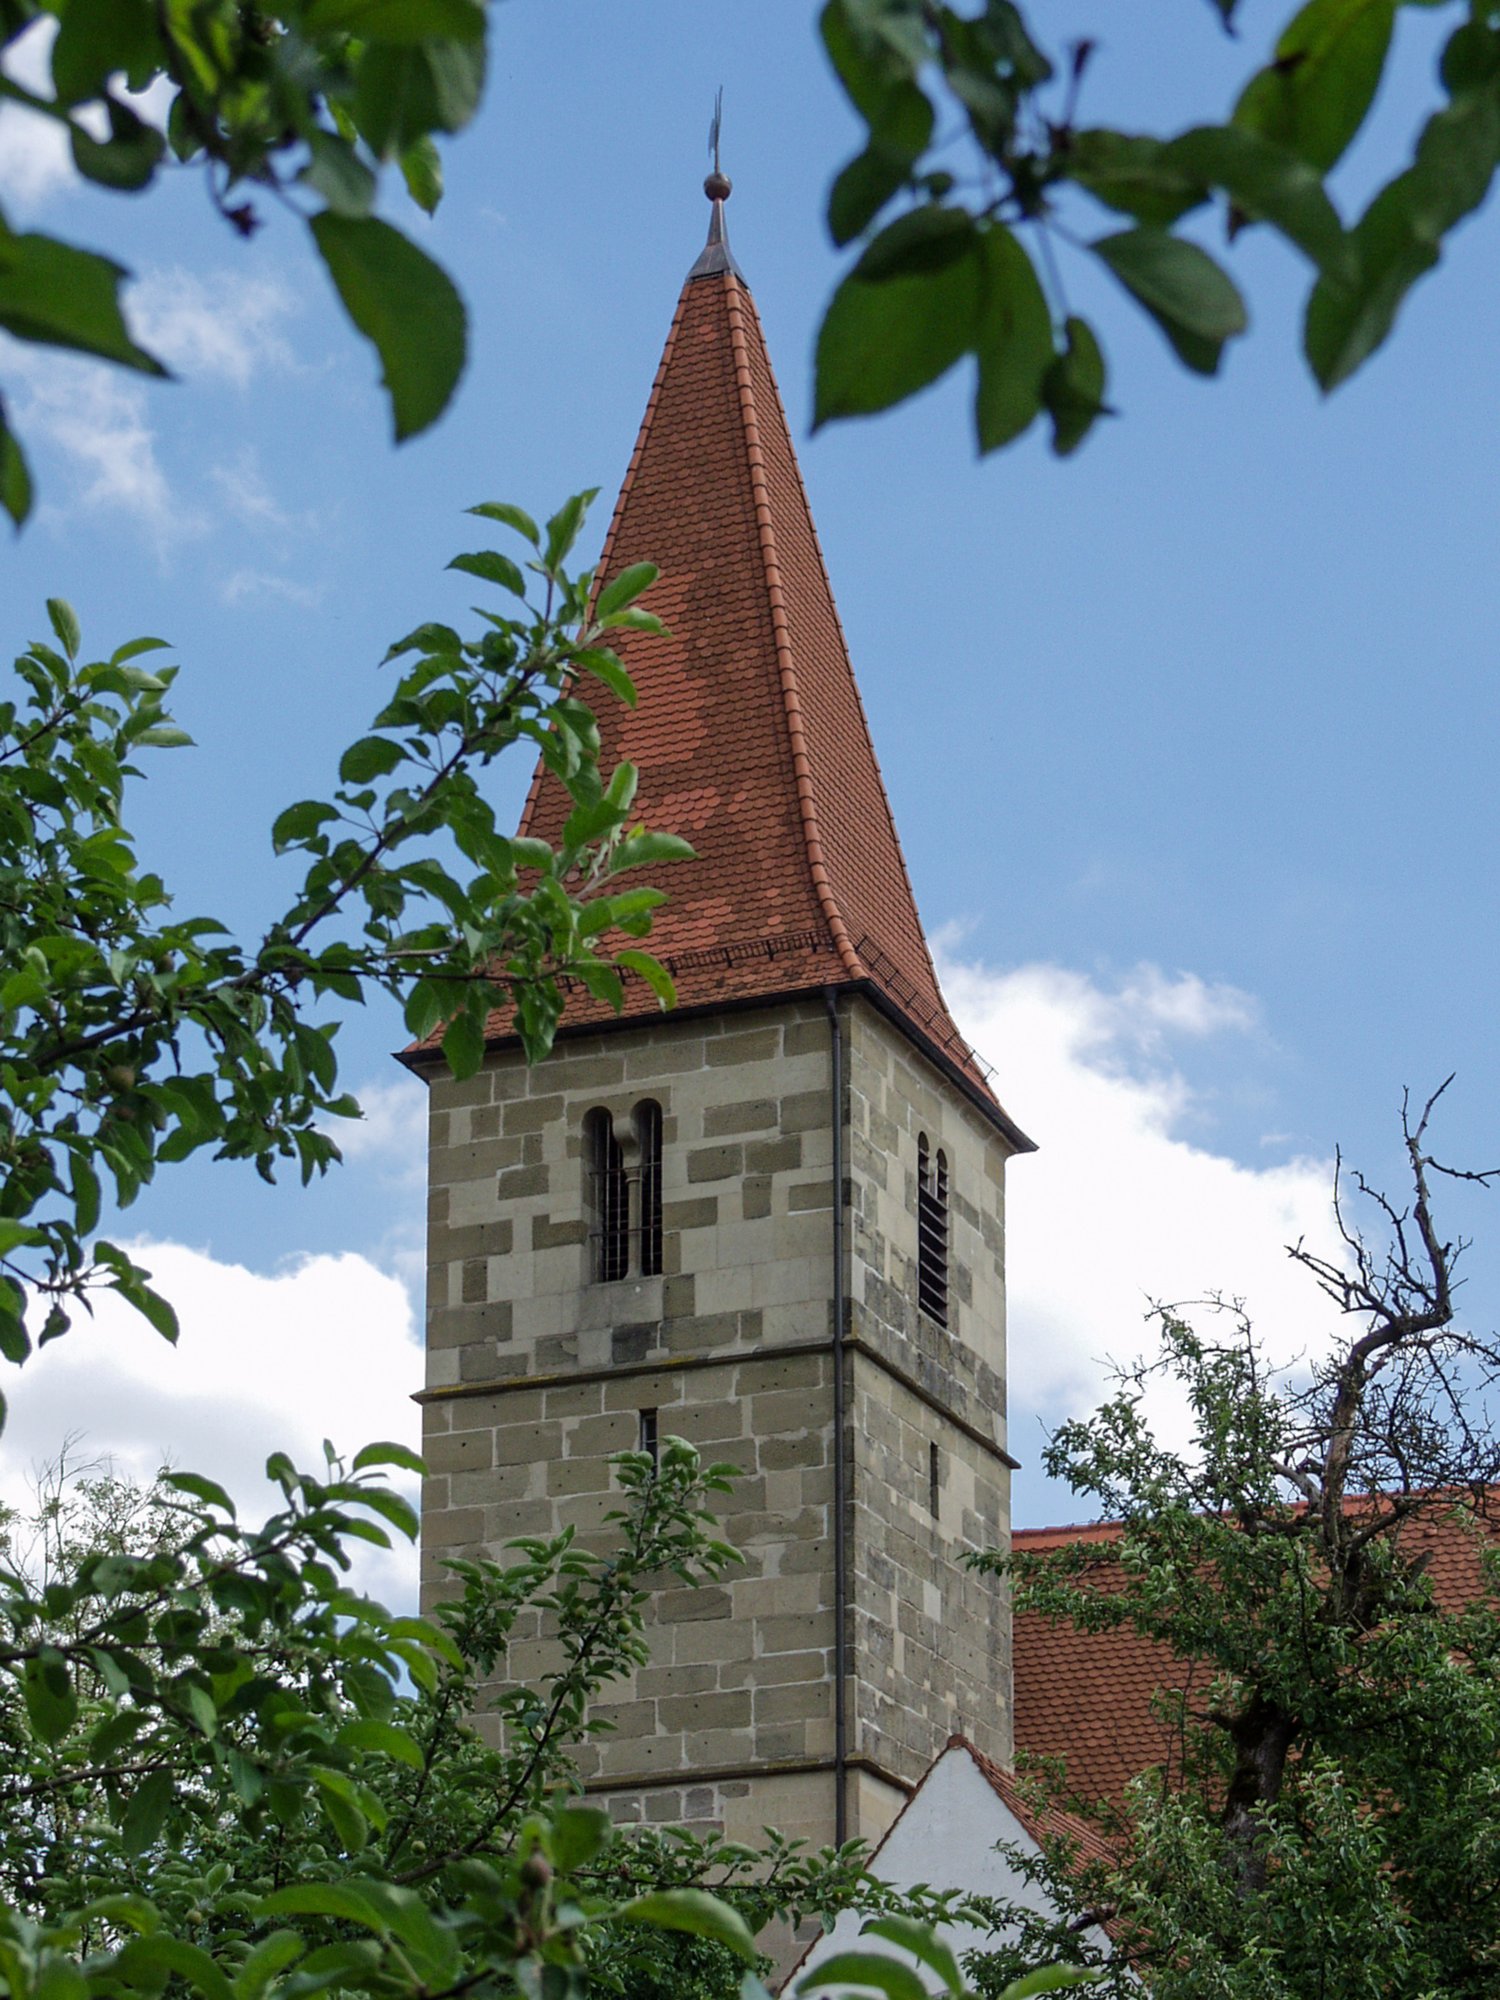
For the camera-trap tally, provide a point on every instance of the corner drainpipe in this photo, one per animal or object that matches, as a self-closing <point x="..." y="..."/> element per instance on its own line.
<point x="840" y="1504"/>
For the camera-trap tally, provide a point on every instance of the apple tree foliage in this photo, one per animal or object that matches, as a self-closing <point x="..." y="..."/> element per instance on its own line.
<point x="309" y="103"/>
<point x="1311" y="1569"/>
<point x="134" y="1036"/>
<point x="981" y="179"/>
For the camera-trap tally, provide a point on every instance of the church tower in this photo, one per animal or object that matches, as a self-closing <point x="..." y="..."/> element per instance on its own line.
<point x="770" y="1222"/>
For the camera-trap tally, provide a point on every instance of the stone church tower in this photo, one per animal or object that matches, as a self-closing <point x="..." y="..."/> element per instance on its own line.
<point x="771" y="1222"/>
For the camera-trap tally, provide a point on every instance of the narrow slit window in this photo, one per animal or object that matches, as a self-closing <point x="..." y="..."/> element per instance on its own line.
<point x="932" y="1480"/>
<point x="932" y="1231"/>
<point x="650" y="1442"/>
<point x="608" y="1199"/>
<point x="648" y="1139"/>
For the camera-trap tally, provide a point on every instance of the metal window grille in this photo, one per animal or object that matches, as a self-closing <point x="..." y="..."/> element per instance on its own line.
<point x="609" y="1199"/>
<point x="932" y="1480"/>
<point x="932" y="1232"/>
<point x="649" y="1440"/>
<point x="648" y="1138"/>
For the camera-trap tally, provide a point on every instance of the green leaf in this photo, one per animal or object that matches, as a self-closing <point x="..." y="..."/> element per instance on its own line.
<point x="95" y="38"/>
<point x="864" y="187"/>
<point x="336" y="1797"/>
<point x="1049" y="1979"/>
<point x="371" y="757"/>
<point x="342" y="1900"/>
<point x="1014" y="343"/>
<point x="1193" y="301"/>
<point x="201" y="1489"/>
<point x="1313" y="96"/>
<point x="15" y="475"/>
<point x="300" y="822"/>
<point x="127" y="159"/>
<point x="577" y="1835"/>
<point x="1399" y="237"/>
<point x="695" y="1912"/>
<point x="405" y="305"/>
<point x="606" y="666"/>
<point x="563" y="528"/>
<point x="871" y="1970"/>
<point x="624" y="589"/>
<point x="1268" y="184"/>
<point x="463" y="1046"/>
<point x="64" y="622"/>
<point x="652" y="971"/>
<point x="399" y="21"/>
<point x="645" y="850"/>
<point x="422" y="170"/>
<point x="263" y="1961"/>
<point x="59" y="1979"/>
<point x="885" y="338"/>
<point x="513" y="517"/>
<point x="386" y="1453"/>
<point x="925" y="239"/>
<point x="335" y="171"/>
<point x="1073" y="387"/>
<point x="384" y="1738"/>
<point x="494" y="568"/>
<point x="162" y="1952"/>
<point x="428" y="638"/>
<point x="51" y="1703"/>
<point x="146" y="1812"/>
<point x="922" y="1942"/>
<point x="403" y="94"/>
<point x="1134" y="174"/>
<point x="62" y="297"/>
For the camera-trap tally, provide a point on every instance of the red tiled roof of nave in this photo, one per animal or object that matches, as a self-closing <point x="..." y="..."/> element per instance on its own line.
<point x="749" y="733"/>
<point x="1087" y="1696"/>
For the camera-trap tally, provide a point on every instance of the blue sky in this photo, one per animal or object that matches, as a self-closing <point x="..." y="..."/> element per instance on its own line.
<point x="1214" y="699"/>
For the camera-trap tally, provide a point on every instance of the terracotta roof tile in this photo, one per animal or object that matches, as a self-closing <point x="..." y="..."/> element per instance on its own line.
<point x="749" y="732"/>
<point x="1087" y="1696"/>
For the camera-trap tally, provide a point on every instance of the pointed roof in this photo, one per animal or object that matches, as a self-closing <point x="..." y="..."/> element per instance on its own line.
<point x="749" y="732"/>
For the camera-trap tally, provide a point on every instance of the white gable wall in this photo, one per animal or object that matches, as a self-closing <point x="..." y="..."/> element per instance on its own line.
<point x="945" y="1838"/>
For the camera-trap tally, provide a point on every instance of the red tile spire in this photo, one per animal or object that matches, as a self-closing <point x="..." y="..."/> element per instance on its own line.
<point x="749" y="732"/>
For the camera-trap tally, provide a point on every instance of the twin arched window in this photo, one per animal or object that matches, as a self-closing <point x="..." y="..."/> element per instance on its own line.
<point x="622" y="1189"/>
<point x="932" y="1231"/>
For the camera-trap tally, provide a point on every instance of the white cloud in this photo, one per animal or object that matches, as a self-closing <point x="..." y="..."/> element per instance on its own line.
<point x="97" y="418"/>
<point x="326" y="1346"/>
<point x="216" y="325"/>
<point x="35" y="161"/>
<point x="1118" y="1208"/>
<point x="393" y="1130"/>
<point x="218" y="328"/>
<point x="244" y="585"/>
<point x="246" y="493"/>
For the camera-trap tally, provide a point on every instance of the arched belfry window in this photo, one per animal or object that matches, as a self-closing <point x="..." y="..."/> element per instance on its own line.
<point x="932" y="1231"/>
<point x="622" y="1193"/>
<point x="648" y="1224"/>
<point x="608" y="1195"/>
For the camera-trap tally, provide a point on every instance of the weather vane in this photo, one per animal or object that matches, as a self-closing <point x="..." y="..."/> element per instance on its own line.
<point x="716" y="187"/>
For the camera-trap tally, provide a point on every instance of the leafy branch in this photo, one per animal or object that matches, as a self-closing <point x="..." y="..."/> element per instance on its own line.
<point x="131" y="1038"/>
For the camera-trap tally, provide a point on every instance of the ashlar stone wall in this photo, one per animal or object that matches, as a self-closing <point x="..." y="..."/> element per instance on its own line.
<point x="931" y="1641"/>
<point x="536" y="1375"/>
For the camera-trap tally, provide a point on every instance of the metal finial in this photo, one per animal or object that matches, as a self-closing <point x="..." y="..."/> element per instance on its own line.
<point x="716" y="255"/>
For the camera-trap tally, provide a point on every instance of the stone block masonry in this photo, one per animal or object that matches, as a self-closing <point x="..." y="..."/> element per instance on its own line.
<point x="537" y="1374"/>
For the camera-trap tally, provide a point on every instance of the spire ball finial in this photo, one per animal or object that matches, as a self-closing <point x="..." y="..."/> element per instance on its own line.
<point x="718" y="187"/>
